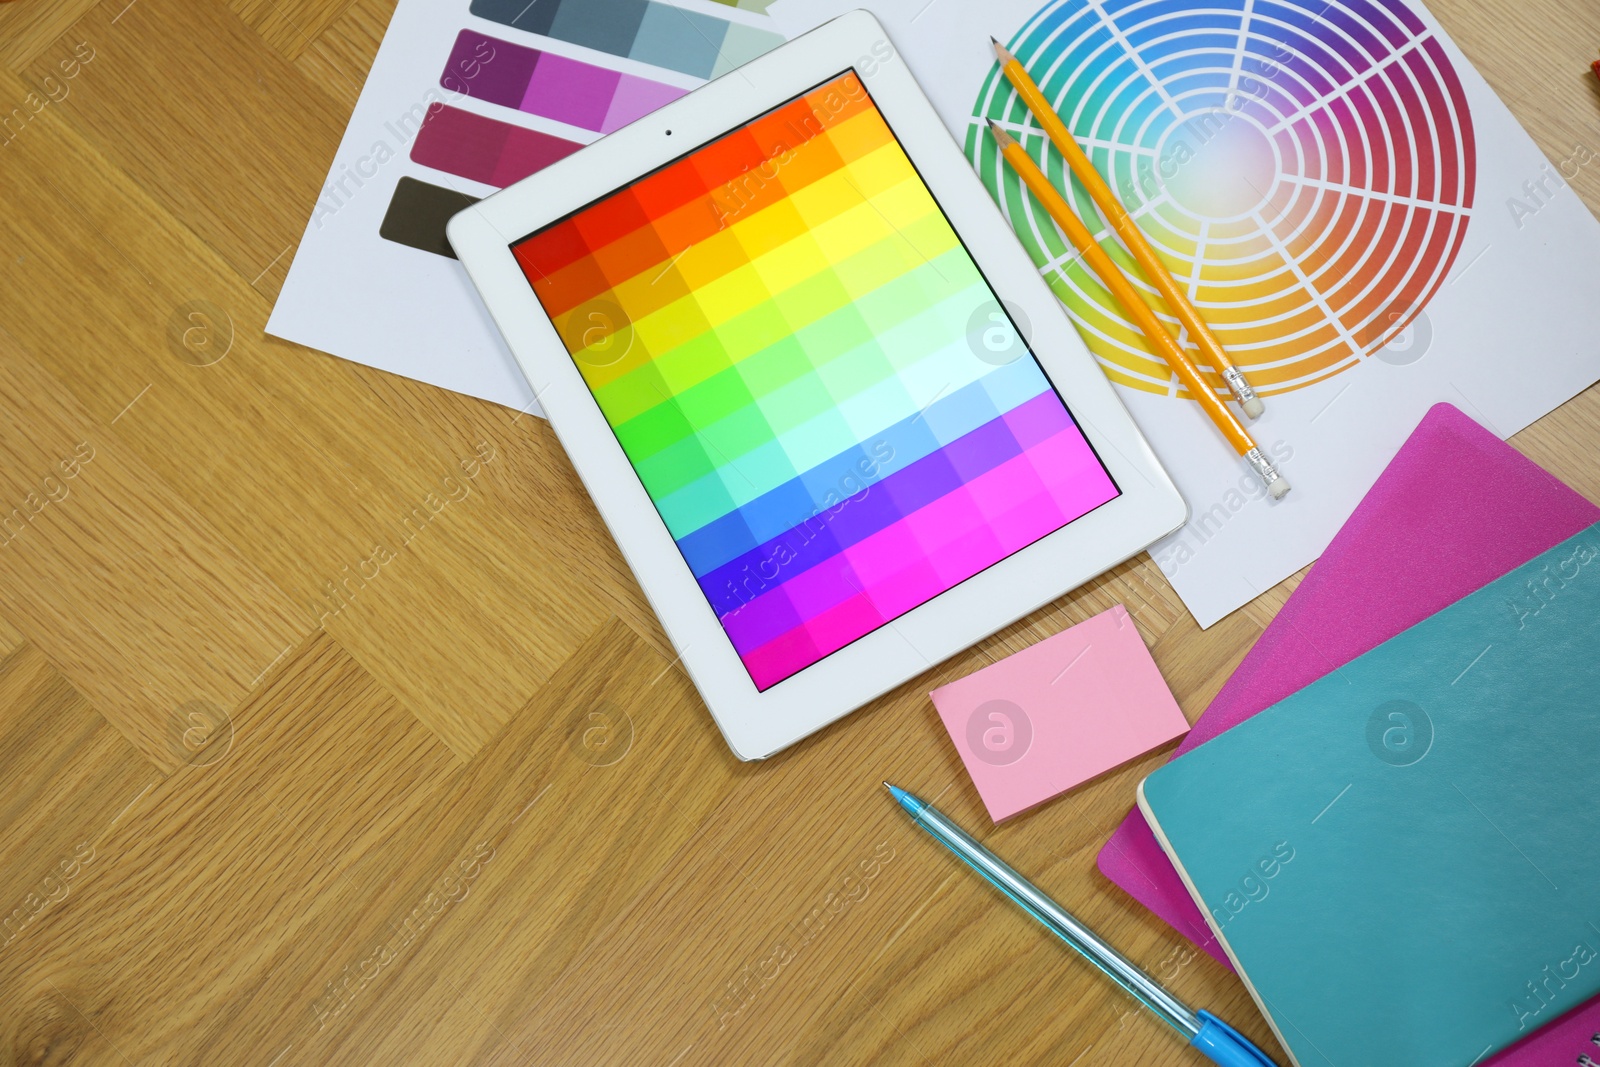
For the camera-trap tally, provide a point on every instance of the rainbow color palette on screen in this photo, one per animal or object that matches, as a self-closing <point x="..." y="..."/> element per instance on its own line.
<point x="830" y="452"/>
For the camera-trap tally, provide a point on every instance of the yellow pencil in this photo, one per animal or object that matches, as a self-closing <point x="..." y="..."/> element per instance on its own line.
<point x="1126" y="229"/>
<point x="1162" y="341"/>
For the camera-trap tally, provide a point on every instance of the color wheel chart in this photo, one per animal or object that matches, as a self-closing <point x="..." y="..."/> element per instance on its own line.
<point x="1307" y="167"/>
<point x="509" y="78"/>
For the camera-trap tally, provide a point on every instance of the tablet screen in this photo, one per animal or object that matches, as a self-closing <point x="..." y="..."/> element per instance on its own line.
<point x="834" y="415"/>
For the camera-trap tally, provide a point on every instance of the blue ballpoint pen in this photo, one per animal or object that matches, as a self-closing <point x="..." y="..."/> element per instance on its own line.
<point x="1220" y="1042"/>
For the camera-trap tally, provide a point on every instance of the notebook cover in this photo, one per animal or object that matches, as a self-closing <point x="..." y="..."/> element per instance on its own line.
<point x="1399" y="857"/>
<point x="1475" y="508"/>
<point x="1456" y="496"/>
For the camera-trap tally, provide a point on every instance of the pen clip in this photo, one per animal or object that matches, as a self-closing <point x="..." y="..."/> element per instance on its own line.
<point x="1224" y="1045"/>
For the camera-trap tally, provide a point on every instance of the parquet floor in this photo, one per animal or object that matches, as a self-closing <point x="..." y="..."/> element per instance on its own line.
<point x="333" y="728"/>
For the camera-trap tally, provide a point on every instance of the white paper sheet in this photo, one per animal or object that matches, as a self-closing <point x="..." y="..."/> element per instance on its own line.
<point x="1507" y="336"/>
<point x="355" y="295"/>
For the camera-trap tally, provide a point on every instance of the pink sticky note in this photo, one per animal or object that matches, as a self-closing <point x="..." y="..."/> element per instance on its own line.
<point x="1055" y="715"/>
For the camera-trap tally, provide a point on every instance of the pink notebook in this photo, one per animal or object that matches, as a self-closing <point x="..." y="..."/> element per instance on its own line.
<point x="1454" y="510"/>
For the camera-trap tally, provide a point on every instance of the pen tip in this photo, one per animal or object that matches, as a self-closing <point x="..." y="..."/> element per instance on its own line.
<point x="904" y="799"/>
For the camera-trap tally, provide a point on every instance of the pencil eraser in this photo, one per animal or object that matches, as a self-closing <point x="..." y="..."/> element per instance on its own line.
<point x="1253" y="408"/>
<point x="1279" y="489"/>
<point x="1059" y="713"/>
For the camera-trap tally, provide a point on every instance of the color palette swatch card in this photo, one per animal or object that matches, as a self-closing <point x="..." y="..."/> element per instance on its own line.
<point x="775" y="326"/>
<point x="1055" y="715"/>
<point x="464" y="98"/>
<point x="580" y="94"/>
<point x="647" y="31"/>
<point x="1354" y="212"/>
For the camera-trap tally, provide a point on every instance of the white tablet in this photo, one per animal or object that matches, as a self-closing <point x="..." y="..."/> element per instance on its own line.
<point x="764" y="323"/>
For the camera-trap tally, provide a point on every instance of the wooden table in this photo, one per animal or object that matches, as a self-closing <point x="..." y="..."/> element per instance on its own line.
<point x="333" y="728"/>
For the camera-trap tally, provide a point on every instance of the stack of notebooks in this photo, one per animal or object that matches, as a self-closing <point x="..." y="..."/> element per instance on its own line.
<point x="1389" y="821"/>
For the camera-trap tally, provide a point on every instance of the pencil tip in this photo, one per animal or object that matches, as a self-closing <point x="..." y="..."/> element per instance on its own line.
<point x="1000" y="133"/>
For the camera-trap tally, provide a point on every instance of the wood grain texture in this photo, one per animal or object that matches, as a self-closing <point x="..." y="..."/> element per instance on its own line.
<point x="68" y="774"/>
<point x="339" y="58"/>
<point x="180" y="616"/>
<point x="333" y="727"/>
<point x="27" y="29"/>
<point x="289" y="26"/>
<point x="10" y="638"/>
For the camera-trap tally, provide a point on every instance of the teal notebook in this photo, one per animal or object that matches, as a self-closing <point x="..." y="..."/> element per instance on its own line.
<point x="1403" y="858"/>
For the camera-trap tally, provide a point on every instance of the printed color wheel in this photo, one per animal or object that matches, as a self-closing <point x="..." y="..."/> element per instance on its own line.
<point x="1305" y="168"/>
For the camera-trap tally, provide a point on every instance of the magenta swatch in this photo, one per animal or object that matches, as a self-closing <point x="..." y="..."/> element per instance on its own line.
<point x="549" y="85"/>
